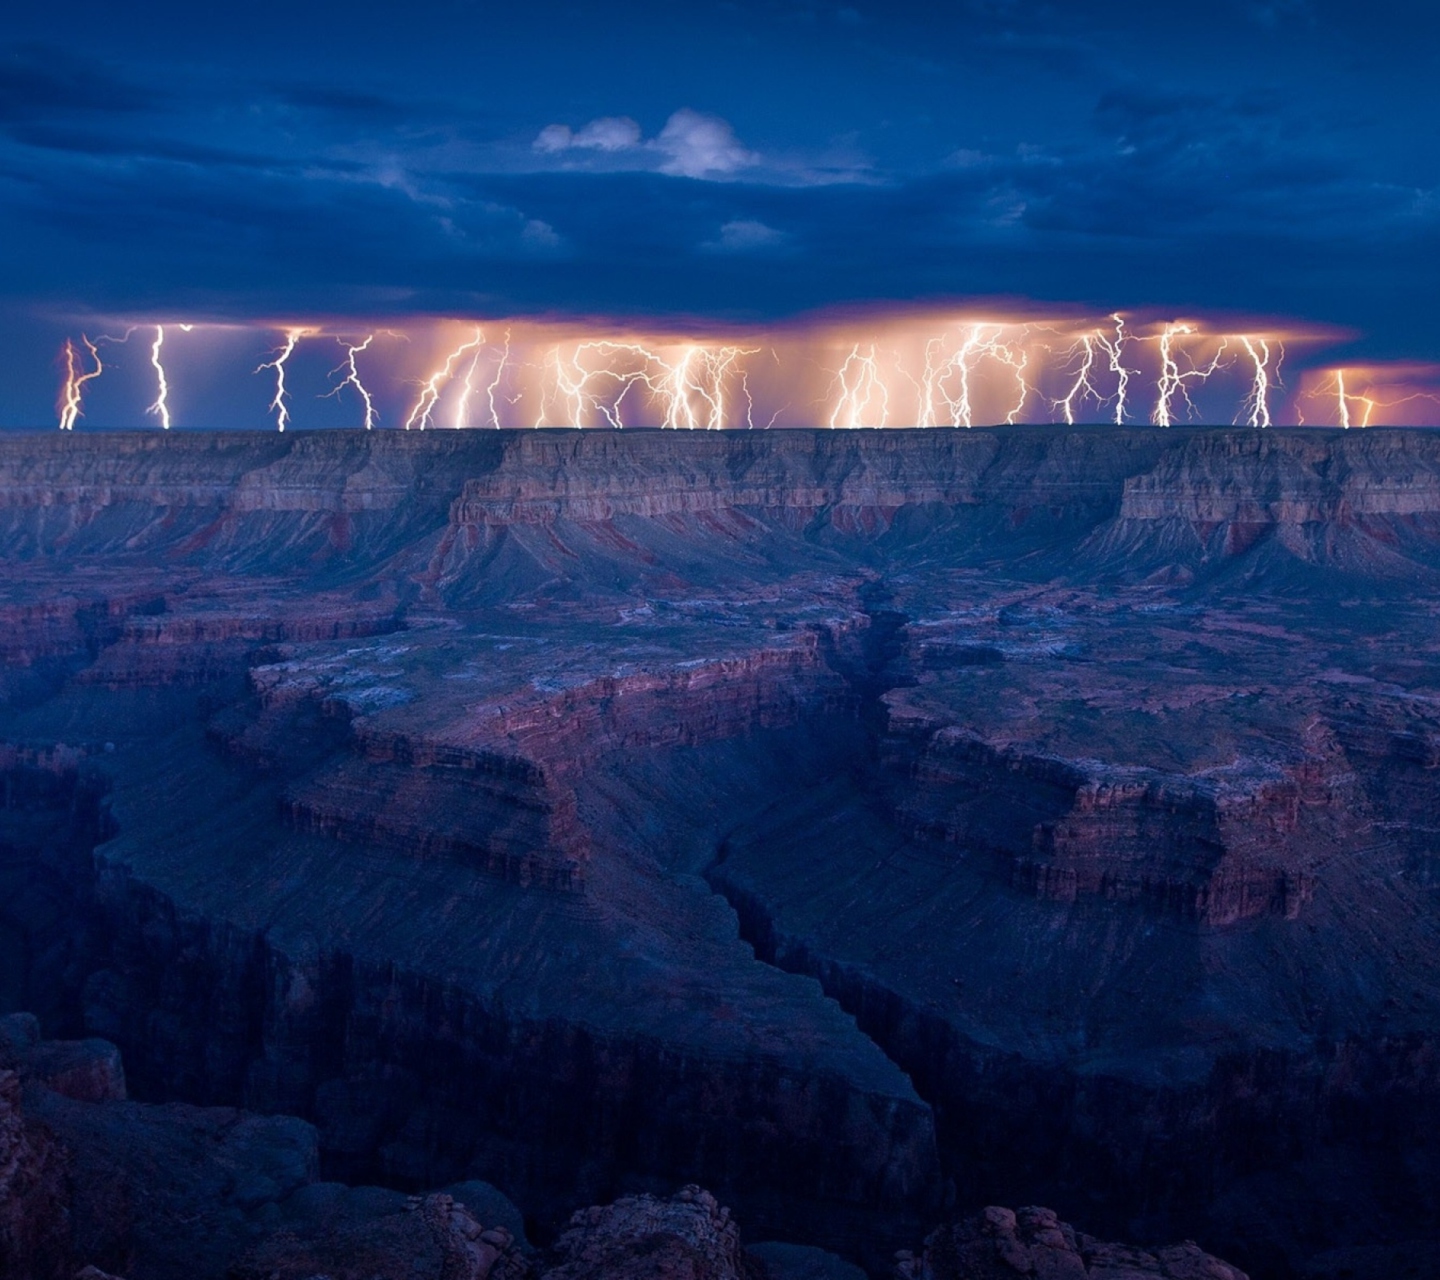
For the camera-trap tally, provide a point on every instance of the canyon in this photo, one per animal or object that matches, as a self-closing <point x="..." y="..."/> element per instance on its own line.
<point x="866" y="826"/>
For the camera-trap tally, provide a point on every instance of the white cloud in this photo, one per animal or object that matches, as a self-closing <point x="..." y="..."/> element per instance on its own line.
<point x="691" y="145"/>
<point x="540" y="235"/>
<point x="745" y="235"/>
<point x="696" y="145"/>
<point x="608" y="133"/>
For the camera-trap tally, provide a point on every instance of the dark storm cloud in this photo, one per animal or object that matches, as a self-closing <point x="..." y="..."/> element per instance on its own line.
<point x="271" y="235"/>
<point x="765" y="159"/>
<point x="342" y="101"/>
<point x="38" y="80"/>
<point x="134" y="148"/>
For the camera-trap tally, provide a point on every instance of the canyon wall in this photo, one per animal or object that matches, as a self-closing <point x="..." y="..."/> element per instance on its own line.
<point x="858" y="823"/>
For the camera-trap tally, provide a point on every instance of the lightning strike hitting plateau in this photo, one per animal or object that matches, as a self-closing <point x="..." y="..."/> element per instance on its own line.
<point x="1345" y="402"/>
<point x="435" y="383"/>
<point x="1344" y="397"/>
<point x="926" y="370"/>
<point x="1381" y="388"/>
<point x="277" y="404"/>
<point x="1117" y="365"/>
<point x="1257" y="403"/>
<point x="352" y="378"/>
<point x="942" y="371"/>
<point x="161" y="407"/>
<point x="494" y="384"/>
<point x="1174" y="380"/>
<point x="693" y="390"/>
<point x="462" y="404"/>
<point x="1081" y="388"/>
<point x="75" y="381"/>
<point x="861" y="390"/>
<point x="690" y="389"/>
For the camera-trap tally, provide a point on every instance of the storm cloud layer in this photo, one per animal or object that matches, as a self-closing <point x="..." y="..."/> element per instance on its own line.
<point x="732" y="162"/>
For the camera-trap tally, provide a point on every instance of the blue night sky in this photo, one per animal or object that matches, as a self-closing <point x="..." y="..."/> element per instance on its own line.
<point x="722" y="161"/>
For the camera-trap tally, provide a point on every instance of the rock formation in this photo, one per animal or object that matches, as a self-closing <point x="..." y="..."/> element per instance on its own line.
<point x="855" y="823"/>
<point x="689" y="1236"/>
<point x="175" y="1192"/>
<point x="999" y="1244"/>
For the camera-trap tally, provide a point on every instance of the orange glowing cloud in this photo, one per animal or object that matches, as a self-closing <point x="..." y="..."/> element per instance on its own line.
<point x="956" y="367"/>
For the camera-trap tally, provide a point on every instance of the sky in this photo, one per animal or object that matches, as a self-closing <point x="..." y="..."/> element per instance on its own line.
<point x="713" y="165"/>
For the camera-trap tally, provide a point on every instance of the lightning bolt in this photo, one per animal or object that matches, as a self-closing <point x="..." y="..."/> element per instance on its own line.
<point x="72" y="393"/>
<point x="1117" y="365"/>
<point x="861" y="389"/>
<point x="430" y="392"/>
<point x="1344" y="403"/>
<point x="494" y="384"/>
<point x="1366" y="400"/>
<point x="462" y="404"/>
<point x="693" y="390"/>
<point x="161" y="407"/>
<point x="1257" y="403"/>
<point x="1018" y="363"/>
<point x="677" y="384"/>
<point x="689" y="390"/>
<point x="695" y="383"/>
<point x="277" y="403"/>
<point x="570" y="389"/>
<point x="1081" y="389"/>
<point x="1173" y="380"/>
<point x="942" y="372"/>
<point x="352" y="378"/>
<point x="931" y="387"/>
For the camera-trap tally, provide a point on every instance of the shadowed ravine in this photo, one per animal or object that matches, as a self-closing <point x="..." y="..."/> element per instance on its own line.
<point x="864" y="825"/>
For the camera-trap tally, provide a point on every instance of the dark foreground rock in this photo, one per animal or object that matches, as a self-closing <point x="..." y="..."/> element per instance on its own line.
<point x="34" y="1231"/>
<point x="1001" y="1244"/>
<point x="178" y="1192"/>
<point x="689" y="1236"/>
<point x="94" y="1185"/>
<point x="350" y="1234"/>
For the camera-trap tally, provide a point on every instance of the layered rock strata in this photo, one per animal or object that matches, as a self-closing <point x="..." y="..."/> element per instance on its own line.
<point x="1074" y="791"/>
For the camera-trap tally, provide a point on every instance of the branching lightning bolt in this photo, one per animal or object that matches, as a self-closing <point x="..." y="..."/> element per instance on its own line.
<point x="430" y="392"/>
<point x="1114" y="351"/>
<point x="277" y="403"/>
<point x="1173" y="380"/>
<point x="942" y="371"/>
<point x="1256" y="409"/>
<point x="1081" y="389"/>
<point x="861" y="390"/>
<point x="352" y="378"/>
<point x="74" y="382"/>
<point x="494" y="384"/>
<point x="1367" y="401"/>
<point x="690" y="390"/>
<point x="1083" y="371"/>
<point x="161" y="407"/>
<point x="467" y="389"/>
<point x="700" y="376"/>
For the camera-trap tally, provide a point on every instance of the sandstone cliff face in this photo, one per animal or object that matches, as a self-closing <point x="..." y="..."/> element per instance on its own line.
<point x="384" y="780"/>
<point x="1211" y="848"/>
